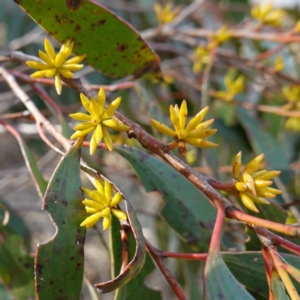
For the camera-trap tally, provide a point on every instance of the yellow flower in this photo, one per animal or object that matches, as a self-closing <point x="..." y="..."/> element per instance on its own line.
<point x="165" y="14"/>
<point x="101" y="205"/>
<point x="233" y="87"/>
<point x="98" y="121"/>
<point x="202" y="57"/>
<point x="219" y="37"/>
<point x="292" y="95"/>
<point x="267" y="15"/>
<point x="54" y="65"/>
<point x="194" y="133"/>
<point x="253" y="185"/>
<point x="293" y="123"/>
<point x="297" y="27"/>
<point x="279" y="64"/>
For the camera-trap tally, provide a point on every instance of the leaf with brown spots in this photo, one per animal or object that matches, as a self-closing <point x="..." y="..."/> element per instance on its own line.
<point x="186" y="210"/>
<point x="59" y="262"/>
<point x="111" y="44"/>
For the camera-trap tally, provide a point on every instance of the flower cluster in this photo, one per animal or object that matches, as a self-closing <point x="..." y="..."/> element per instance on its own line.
<point x="98" y="121"/>
<point x="202" y="57"/>
<point x="220" y="37"/>
<point x="267" y="15"/>
<point x="165" y="14"/>
<point x="194" y="133"/>
<point x="101" y="205"/>
<point x="232" y="87"/>
<point x="202" y="54"/>
<point x="292" y="95"/>
<point x="253" y="185"/>
<point x="279" y="64"/>
<point x="54" y="65"/>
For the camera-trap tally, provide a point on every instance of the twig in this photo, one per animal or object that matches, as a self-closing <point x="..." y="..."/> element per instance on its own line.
<point x="155" y="254"/>
<point x="255" y="221"/>
<point x="205" y="82"/>
<point x="39" y="118"/>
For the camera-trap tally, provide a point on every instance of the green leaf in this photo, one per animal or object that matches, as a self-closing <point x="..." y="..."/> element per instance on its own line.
<point x="278" y="287"/>
<point x="220" y="282"/>
<point x="136" y="288"/>
<point x="263" y="142"/>
<point x="59" y="262"/>
<point x="249" y="269"/>
<point x="92" y="293"/>
<point x="16" y="267"/>
<point x="31" y="164"/>
<point x="112" y="45"/>
<point x="186" y="210"/>
<point x="15" y="223"/>
<point x="136" y="264"/>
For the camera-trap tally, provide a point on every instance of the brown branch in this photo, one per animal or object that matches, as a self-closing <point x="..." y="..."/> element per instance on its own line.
<point x="156" y="255"/>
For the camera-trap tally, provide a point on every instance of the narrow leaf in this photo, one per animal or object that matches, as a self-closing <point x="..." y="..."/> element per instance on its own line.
<point x="186" y="210"/>
<point x="220" y="282"/>
<point x="30" y="161"/>
<point x="278" y="287"/>
<point x="248" y="267"/>
<point x="59" y="262"/>
<point x="16" y="267"/>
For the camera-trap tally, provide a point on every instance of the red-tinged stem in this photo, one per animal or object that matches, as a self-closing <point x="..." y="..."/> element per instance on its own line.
<point x="156" y="255"/>
<point x="17" y="115"/>
<point x="170" y="146"/>
<point x="47" y="99"/>
<point x="28" y="79"/>
<point x="45" y="139"/>
<point x="269" y="267"/>
<point x="233" y="213"/>
<point x="50" y="81"/>
<point x="217" y="232"/>
<point x="124" y="239"/>
<point x="292" y="271"/>
<point x="188" y="256"/>
<point x="278" y="240"/>
<point x="226" y="187"/>
<point x="279" y="265"/>
<point x="269" y="53"/>
<point x="40" y="119"/>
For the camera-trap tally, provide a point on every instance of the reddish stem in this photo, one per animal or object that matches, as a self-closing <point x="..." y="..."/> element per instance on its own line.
<point x="156" y="255"/>
<point x="226" y="187"/>
<point x="269" y="267"/>
<point x="278" y="240"/>
<point x="46" y="98"/>
<point x="124" y="239"/>
<point x="233" y="213"/>
<point x="217" y="232"/>
<point x="188" y="256"/>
